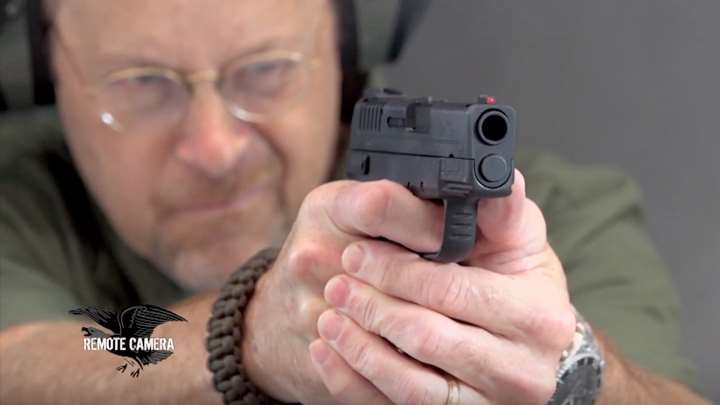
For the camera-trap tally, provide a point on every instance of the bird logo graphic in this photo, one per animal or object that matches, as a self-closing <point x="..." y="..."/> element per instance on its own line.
<point x="132" y="329"/>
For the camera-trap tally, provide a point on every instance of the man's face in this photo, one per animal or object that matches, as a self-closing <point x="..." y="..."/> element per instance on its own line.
<point x="200" y="194"/>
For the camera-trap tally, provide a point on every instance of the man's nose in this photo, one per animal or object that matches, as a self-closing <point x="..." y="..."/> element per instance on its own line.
<point x="211" y="140"/>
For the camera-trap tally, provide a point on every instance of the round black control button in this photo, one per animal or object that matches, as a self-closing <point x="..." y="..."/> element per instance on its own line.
<point x="494" y="168"/>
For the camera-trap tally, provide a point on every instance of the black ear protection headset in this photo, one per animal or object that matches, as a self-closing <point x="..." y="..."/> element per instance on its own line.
<point x="373" y="32"/>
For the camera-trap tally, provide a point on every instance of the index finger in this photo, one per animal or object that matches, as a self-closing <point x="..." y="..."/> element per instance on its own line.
<point x="385" y="209"/>
<point x="338" y="213"/>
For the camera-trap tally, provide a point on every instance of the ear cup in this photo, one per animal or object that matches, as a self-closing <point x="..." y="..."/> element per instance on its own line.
<point x="373" y="33"/>
<point x="408" y="18"/>
<point x="38" y="29"/>
<point x="353" y="81"/>
<point x="24" y="67"/>
<point x="15" y="77"/>
<point x="383" y="28"/>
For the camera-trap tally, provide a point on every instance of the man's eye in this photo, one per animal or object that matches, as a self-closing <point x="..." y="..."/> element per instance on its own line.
<point x="146" y="81"/>
<point x="142" y="92"/>
<point x="262" y="79"/>
<point x="274" y="69"/>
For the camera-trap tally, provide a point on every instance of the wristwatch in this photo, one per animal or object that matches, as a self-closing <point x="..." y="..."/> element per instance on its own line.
<point x="580" y="373"/>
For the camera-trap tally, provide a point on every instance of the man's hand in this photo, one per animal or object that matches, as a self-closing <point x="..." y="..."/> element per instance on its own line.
<point x="281" y="320"/>
<point x="498" y="323"/>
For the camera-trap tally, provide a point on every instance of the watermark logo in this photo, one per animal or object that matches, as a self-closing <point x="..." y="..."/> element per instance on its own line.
<point x="131" y="336"/>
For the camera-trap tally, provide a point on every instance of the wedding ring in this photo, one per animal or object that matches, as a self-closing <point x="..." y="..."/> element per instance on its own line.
<point x="453" y="397"/>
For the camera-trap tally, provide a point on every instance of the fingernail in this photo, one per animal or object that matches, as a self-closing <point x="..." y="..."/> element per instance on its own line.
<point x="352" y="258"/>
<point x="319" y="352"/>
<point x="336" y="291"/>
<point x="330" y="324"/>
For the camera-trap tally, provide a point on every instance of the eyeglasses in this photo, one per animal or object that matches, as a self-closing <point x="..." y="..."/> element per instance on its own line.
<point x="252" y="88"/>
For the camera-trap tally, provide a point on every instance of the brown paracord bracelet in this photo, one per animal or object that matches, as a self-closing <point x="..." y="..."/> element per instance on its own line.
<point x="225" y="333"/>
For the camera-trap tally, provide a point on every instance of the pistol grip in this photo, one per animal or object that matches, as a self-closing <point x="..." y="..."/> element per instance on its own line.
<point x="459" y="231"/>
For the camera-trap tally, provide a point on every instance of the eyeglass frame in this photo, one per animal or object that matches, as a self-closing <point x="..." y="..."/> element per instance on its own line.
<point x="190" y="80"/>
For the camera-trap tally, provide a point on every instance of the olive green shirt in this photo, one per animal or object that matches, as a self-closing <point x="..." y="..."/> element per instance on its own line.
<point x="58" y="252"/>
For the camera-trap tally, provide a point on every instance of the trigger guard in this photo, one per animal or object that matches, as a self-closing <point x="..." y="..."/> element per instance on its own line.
<point x="460" y="229"/>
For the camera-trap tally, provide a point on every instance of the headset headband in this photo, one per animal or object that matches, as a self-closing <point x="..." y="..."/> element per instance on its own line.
<point x="373" y="33"/>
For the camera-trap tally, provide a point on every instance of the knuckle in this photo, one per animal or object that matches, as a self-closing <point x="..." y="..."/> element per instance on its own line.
<point x="489" y="296"/>
<point x="395" y="327"/>
<point x="371" y="206"/>
<point x="565" y="324"/>
<point x="425" y="343"/>
<point x="308" y="313"/>
<point x="412" y="393"/>
<point x="362" y="359"/>
<point x="448" y="290"/>
<point x="324" y="202"/>
<point x="388" y="278"/>
<point x="534" y="323"/>
<point x="303" y="258"/>
<point x="316" y="198"/>
<point x="366" y="309"/>
<point x="555" y="328"/>
<point x="474" y="356"/>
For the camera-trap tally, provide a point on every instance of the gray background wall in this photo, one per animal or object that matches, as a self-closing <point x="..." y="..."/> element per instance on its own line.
<point x="633" y="84"/>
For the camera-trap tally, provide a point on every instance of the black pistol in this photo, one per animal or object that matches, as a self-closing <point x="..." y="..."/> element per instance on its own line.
<point x="454" y="152"/>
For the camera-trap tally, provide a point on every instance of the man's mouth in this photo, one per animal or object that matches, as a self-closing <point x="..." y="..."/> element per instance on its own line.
<point x="237" y="201"/>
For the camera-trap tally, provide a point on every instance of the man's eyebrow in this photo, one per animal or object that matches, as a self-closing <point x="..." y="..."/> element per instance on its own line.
<point x="149" y="57"/>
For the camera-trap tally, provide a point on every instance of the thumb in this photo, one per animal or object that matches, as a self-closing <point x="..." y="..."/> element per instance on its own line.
<point x="509" y="227"/>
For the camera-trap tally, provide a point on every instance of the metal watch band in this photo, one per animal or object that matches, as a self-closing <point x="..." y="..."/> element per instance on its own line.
<point x="225" y="334"/>
<point x="579" y="376"/>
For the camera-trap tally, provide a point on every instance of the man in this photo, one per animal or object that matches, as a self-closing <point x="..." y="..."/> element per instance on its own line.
<point x="206" y="131"/>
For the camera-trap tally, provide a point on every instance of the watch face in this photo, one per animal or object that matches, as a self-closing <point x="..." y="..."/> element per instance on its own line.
<point x="580" y="383"/>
